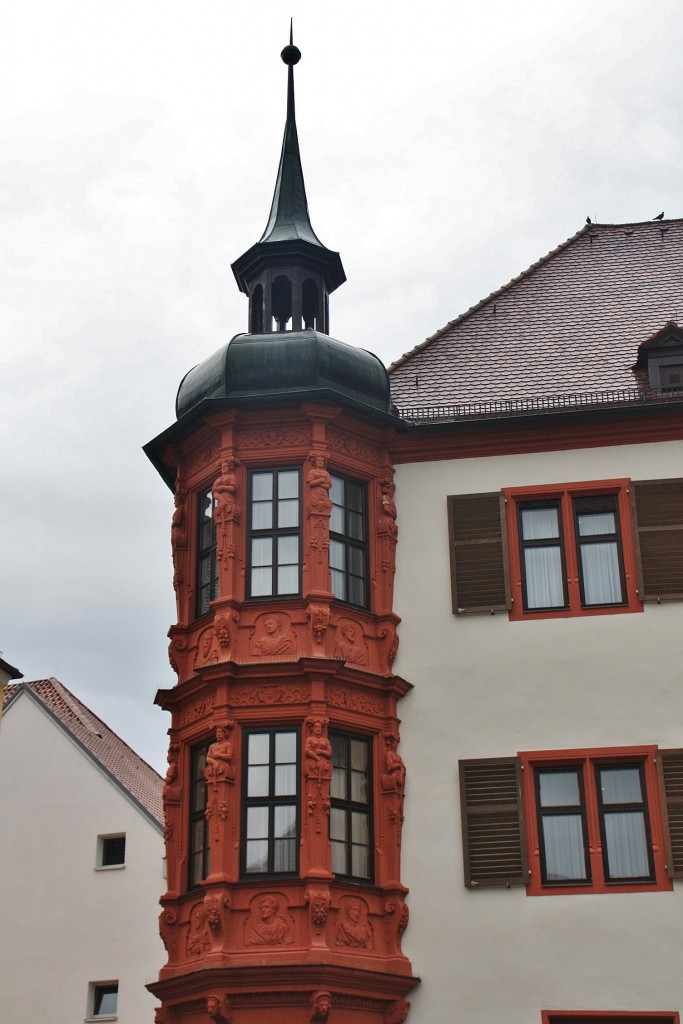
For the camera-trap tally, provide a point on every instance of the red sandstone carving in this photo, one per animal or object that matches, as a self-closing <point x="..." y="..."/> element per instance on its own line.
<point x="394" y="775"/>
<point x="319" y="902"/>
<point x="319" y="617"/>
<point x="349" y="646"/>
<point x="199" y="935"/>
<point x="268" y="926"/>
<point x="272" y="635"/>
<point x="353" y="928"/>
<point x="397" y="1012"/>
<point x="319" y="483"/>
<point x="220" y="756"/>
<point x="321" y="1004"/>
<point x="179" y="546"/>
<point x="221" y="625"/>
<point x="317" y="751"/>
<point x="207" y="649"/>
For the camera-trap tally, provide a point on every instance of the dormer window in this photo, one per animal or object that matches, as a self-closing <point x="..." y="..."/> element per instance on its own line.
<point x="661" y="356"/>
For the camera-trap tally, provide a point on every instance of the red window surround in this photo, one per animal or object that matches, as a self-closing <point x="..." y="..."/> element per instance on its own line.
<point x="608" y="1017"/>
<point x="565" y="496"/>
<point x="587" y="761"/>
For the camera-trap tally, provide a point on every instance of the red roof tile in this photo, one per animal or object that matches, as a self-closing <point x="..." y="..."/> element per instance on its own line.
<point x="126" y="767"/>
<point x="572" y="323"/>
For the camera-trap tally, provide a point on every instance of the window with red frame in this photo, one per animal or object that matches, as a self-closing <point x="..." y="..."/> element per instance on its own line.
<point x="593" y="822"/>
<point x="571" y="550"/>
<point x="608" y="1017"/>
<point x="607" y="819"/>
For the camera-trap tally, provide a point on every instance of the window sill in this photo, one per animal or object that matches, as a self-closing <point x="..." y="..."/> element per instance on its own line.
<point x="576" y="613"/>
<point x="107" y="867"/>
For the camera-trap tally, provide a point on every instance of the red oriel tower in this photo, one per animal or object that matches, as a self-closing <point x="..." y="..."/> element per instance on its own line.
<point x="284" y="791"/>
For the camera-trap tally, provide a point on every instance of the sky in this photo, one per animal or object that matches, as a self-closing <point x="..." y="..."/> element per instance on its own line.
<point x="445" y="148"/>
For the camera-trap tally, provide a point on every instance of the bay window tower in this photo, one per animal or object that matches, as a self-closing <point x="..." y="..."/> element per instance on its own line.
<point x="284" y="791"/>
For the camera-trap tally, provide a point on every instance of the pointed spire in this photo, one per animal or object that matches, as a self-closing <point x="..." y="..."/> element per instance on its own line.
<point x="289" y="219"/>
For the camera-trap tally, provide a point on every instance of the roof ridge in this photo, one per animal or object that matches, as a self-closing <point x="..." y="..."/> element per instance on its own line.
<point x="492" y="295"/>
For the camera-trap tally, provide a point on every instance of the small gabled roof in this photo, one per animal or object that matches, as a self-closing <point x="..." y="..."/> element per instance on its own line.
<point x="141" y="783"/>
<point x="571" y="323"/>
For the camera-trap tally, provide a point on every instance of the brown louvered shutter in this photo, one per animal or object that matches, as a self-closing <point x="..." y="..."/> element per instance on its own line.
<point x="657" y="507"/>
<point x="480" y="578"/>
<point x="493" y="837"/>
<point x="670" y="770"/>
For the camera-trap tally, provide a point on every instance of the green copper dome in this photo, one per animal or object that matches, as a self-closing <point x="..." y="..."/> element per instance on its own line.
<point x="258" y="368"/>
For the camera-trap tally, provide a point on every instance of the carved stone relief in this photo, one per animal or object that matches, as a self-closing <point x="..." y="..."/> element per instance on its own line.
<point x="321" y="1004"/>
<point x="319" y="617"/>
<point x="343" y="698"/>
<point x="319" y="902"/>
<point x="168" y="920"/>
<point x="198" y="710"/>
<point x="267" y="694"/>
<point x="199" y="934"/>
<point x="221" y="625"/>
<point x="273" y="636"/>
<point x="349" y="644"/>
<point x="352" y="927"/>
<point x="207" y="649"/>
<point x="397" y="1012"/>
<point x="268" y="923"/>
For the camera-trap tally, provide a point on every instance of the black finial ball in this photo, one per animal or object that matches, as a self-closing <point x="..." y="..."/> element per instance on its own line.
<point x="291" y="55"/>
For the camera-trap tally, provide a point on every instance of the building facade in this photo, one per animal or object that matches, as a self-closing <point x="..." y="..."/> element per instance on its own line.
<point x="506" y="503"/>
<point x="82" y="853"/>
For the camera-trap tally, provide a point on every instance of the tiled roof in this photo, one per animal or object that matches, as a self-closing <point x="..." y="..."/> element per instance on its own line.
<point x="126" y="767"/>
<point x="570" y="324"/>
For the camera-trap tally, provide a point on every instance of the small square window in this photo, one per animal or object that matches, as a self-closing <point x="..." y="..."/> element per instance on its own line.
<point x="104" y="997"/>
<point x="111" y="851"/>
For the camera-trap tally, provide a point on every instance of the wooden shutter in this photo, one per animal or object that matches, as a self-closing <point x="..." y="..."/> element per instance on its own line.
<point x="494" y="841"/>
<point x="480" y="579"/>
<point x="670" y="771"/>
<point x="657" y="507"/>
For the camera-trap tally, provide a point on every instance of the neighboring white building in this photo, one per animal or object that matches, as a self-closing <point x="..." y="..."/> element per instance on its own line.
<point x="539" y="583"/>
<point x="81" y="850"/>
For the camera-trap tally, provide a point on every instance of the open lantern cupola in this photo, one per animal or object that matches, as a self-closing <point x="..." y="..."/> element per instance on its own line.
<point x="289" y="274"/>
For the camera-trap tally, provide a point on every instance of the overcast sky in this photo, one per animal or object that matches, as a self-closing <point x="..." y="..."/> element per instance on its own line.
<point x="445" y="148"/>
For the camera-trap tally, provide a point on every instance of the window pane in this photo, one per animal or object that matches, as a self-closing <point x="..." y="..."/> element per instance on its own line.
<point x="338" y="784"/>
<point x="338" y="584"/>
<point x="626" y="845"/>
<point x="288" y="580"/>
<point x="354" y="497"/>
<point x="262" y="515"/>
<point x="359" y="755"/>
<point x="356" y="561"/>
<point x="284" y="854"/>
<point x="259" y="748"/>
<point x="359" y="787"/>
<point x="257" y="855"/>
<point x="262" y="486"/>
<point x="337" y="490"/>
<point x="288" y="551"/>
<point x="257" y="823"/>
<point x="261" y="551"/>
<point x="591" y="524"/>
<point x="621" y="785"/>
<point x="563" y="845"/>
<point x="600" y="573"/>
<point x="360" y="828"/>
<point x="543" y="570"/>
<point x="288" y="513"/>
<point x="337" y="560"/>
<point x="559" y="789"/>
<point x="360" y="862"/>
<point x="540" y="523"/>
<point x="338" y="858"/>
<point x="285" y="747"/>
<point x="356" y="590"/>
<point x="356" y="526"/>
<point x="337" y="824"/>
<point x="285" y="821"/>
<point x="257" y="781"/>
<point x="285" y="779"/>
<point x="339" y="750"/>
<point x="288" y="483"/>
<point x="106" y="997"/>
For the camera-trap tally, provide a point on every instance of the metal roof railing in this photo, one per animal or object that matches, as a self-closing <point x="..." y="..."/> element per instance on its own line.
<point x="507" y="407"/>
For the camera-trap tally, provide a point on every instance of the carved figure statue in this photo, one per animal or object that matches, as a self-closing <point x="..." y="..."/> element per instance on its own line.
<point x="348" y="646"/>
<point x="318" y="750"/>
<point x="213" y="1007"/>
<point x="272" y="928"/>
<point x="198" y="939"/>
<point x="172" y="770"/>
<point x="224" y="493"/>
<point x="394" y="768"/>
<point x="273" y="640"/>
<point x="179" y="542"/>
<point x="388" y="507"/>
<point x="351" y="929"/>
<point x="220" y="755"/>
<point x="321" y="1004"/>
<point x="207" y="649"/>
<point x="319" y="481"/>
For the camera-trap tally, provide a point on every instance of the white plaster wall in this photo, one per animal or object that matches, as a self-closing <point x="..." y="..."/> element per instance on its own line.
<point x="488" y="687"/>
<point x="62" y="923"/>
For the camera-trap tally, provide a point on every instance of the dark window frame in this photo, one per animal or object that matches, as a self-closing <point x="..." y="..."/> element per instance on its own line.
<point x="274" y="533"/>
<point x="99" y="991"/>
<point x="549" y="811"/>
<point x="350" y="543"/>
<point x="349" y="806"/>
<point x="604" y="810"/>
<point x="271" y="801"/>
<point x="111" y="851"/>
<point x="545" y="542"/>
<point x="207" y="554"/>
<point x="198" y="853"/>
